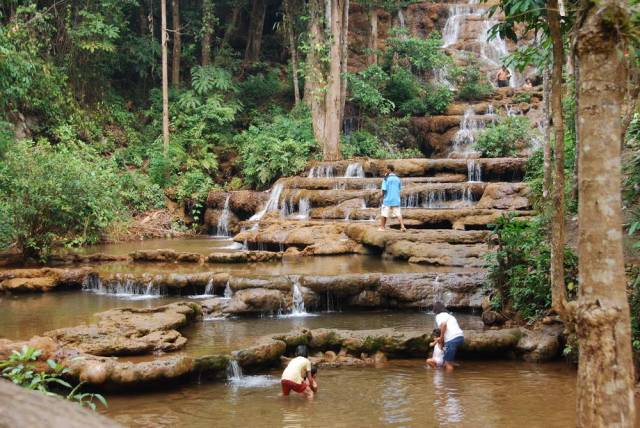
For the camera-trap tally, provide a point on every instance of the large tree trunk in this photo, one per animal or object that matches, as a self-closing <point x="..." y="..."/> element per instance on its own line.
<point x="326" y="82"/>
<point x="256" y="25"/>
<point x="165" y="77"/>
<point x="231" y="25"/>
<point x="605" y="370"/>
<point x="557" y="231"/>
<point x="548" y="176"/>
<point x="289" y="16"/>
<point x="177" y="45"/>
<point x="207" y="31"/>
<point x="372" y="41"/>
<point x="576" y="157"/>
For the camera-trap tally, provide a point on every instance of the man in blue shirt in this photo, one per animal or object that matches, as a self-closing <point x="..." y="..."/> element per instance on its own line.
<point x="391" y="187"/>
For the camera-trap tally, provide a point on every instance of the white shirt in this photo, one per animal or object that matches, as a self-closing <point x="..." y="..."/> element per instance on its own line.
<point x="453" y="329"/>
<point x="438" y="354"/>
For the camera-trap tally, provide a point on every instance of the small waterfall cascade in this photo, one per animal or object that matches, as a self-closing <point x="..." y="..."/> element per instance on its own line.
<point x="234" y="371"/>
<point x="272" y="203"/>
<point x="439" y="198"/>
<point x="297" y="308"/>
<point x="458" y="13"/>
<point x="401" y="20"/>
<point x="474" y="170"/>
<point x="441" y="77"/>
<point x="354" y="170"/>
<point x="222" y="228"/>
<point x="304" y="208"/>
<point x="493" y="51"/>
<point x="322" y="171"/>
<point x="465" y="137"/>
<point x="126" y="289"/>
<point x="228" y="292"/>
<point x="410" y="201"/>
<point x="208" y="289"/>
<point x="435" y="199"/>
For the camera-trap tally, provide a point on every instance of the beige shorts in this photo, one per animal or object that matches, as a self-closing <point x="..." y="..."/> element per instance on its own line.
<point x="391" y="211"/>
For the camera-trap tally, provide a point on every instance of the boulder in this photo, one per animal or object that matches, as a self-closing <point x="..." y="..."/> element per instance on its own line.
<point x="256" y="300"/>
<point x="505" y="196"/>
<point x="264" y="354"/>
<point x="164" y="256"/>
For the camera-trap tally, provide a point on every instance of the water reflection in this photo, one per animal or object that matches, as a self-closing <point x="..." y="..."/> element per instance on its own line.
<point x="447" y="404"/>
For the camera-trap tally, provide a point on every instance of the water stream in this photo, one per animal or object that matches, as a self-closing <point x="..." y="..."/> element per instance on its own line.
<point x="222" y="229"/>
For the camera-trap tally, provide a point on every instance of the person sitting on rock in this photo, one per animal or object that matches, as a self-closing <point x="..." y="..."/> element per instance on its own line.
<point x="451" y="335"/>
<point x="437" y="359"/>
<point x="293" y="377"/>
<point x="391" y="187"/>
<point x="311" y="379"/>
<point x="503" y="77"/>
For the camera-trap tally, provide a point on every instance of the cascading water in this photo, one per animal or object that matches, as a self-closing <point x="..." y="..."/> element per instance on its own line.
<point x="272" y="204"/>
<point x="304" y="208"/>
<point x="125" y="289"/>
<point x="297" y="300"/>
<point x="354" y="170"/>
<point x="322" y="171"/>
<point x="493" y="51"/>
<point x="458" y="13"/>
<point x="222" y="229"/>
<point x="228" y="292"/>
<point x="410" y="201"/>
<point x="465" y="137"/>
<point x="237" y="379"/>
<point x="474" y="170"/>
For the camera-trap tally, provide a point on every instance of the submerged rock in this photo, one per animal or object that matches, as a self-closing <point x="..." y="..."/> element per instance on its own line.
<point x="244" y="257"/>
<point x="164" y="256"/>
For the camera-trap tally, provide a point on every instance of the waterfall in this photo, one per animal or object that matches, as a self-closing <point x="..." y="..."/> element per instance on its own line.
<point x="458" y="13"/>
<point x="237" y="379"/>
<point x="208" y="290"/>
<point x="493" y="51"/>
<point x="467" y="197"/>
<point x="127" y="289"/>
<point x="304" y="208"/>
<point x="401" y="19"/>
<point x="272" y="203"/>
<point x="435" y="199"/>
<point x="410" y="201"/>
<point x="322" y="171"/>
<point x="298" y="300"/>
<point x="354" y="170"/>
<point x="228" y="292"/>
<point x="474" y="170"/>
<point x="222" y="229"/>
<point x="465" y="137"/>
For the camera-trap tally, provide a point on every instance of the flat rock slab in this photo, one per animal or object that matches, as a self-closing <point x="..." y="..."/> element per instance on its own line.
<point x="130" y="331"/>
<point x="42" y="280"/>
<point x="244" y="257"/>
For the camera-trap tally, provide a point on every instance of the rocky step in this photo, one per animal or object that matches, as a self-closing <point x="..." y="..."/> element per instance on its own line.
<point x="420" y="218"/>
<point x="424" y="191"/>
<point x="343" y="183"/>
<point x="493" y="169"/>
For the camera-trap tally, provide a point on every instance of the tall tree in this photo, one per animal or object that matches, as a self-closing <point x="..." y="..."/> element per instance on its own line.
<point x="256" y="26"/>
<point x="548" y="176"/>
<point x="208" y="20"/>
<point x="165" y="76"/>
<point x="605" y="370"/>
<point x="557" y="228"/>
<point x="177" y="44"/>
<point x="372" y="35"/>
<point x="289" y="18"/>
<point x="325" y="87"/>
<point x="232" y="23"/>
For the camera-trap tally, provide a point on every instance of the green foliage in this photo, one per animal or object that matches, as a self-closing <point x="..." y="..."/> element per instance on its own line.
<point x="519" y="268"/>
<point x="506" y="138"/>
<point x="420" y="54"/>
<point x="280" y="147"/>
<point x="435" y="100"/>
<point x="471" y="82"/>
<point x="633" y="292"/>
<point x="366" y="90"/>
<point x="60" y="193"/>
<point x="522" y="97"/>
<point x="20" y="368"/>
<point x="364" y="144"/>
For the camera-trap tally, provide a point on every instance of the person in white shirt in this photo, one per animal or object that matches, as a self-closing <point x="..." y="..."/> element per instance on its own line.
<point x="437" y="359"/>
<point x="451" y="335"/>
<point x="296" y="374"/>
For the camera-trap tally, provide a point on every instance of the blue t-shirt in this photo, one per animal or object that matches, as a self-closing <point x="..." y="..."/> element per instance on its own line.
<point x="392" y="186"/>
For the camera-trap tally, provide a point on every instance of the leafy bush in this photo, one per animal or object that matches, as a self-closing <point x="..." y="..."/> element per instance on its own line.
<point x="522" y="97"/>
<point x="57" y="193"/>
<point x="277" y="148"/>
<point x="21" y="370"/>
<point x="262" y="88"/>
<point x="139" y="193"/>
<point x="519" y="268"/>
<point x="435" y="100"/>
<point x="633" y="292"/>
<point x="366" y="90"/>
<point x="365" y="144"/>
<point x="505" y="138"/>
<point x="420" y="54"/>
<point x="471" y="82"/>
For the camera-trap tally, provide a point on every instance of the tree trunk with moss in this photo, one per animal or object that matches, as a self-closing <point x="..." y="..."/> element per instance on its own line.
<point x="325" y="88"/>
<point x="557" y="231"/>
<point x="293" y="49"/>
<point x="165" y="76"/>
<point x="177" y="45"/>
<point x="548" y="176"/>
<point x="605" y="371"/>
<point x="256" y="26"/>
<point x="207" y="31"/>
